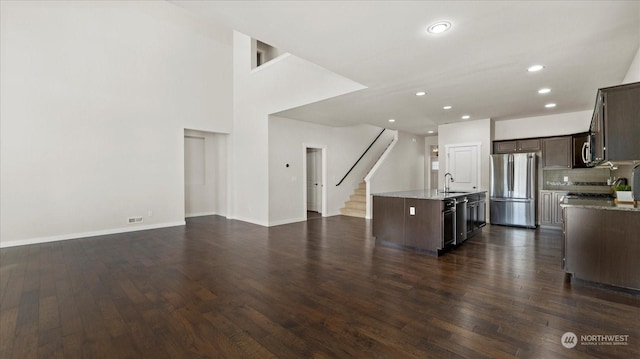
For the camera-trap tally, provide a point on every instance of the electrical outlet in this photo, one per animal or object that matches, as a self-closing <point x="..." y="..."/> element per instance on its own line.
<point x="133" y="220"/>
<point x="566" y="178"/>
<point x="412" y="211"/>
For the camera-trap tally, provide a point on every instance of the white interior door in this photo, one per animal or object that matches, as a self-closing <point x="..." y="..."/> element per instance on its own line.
<point x="463" y="164"/>
<point x="314" y="180"/>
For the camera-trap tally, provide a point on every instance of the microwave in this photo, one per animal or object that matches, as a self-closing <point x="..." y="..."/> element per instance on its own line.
<point x="592" y="151"/>
<point x="586" y="152"/>
<point x="580" y="150"/>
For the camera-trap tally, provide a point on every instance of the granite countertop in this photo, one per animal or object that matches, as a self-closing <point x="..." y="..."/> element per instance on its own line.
<point x="605" y="204"/>
<point x="426" y="194"/>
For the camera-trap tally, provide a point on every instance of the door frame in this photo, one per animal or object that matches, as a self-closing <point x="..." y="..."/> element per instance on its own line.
<point x="478" y="146"/>
<point x="323" y="155"/>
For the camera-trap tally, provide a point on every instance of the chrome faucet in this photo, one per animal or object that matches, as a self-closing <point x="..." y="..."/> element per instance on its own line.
<point x="446" y="183"/>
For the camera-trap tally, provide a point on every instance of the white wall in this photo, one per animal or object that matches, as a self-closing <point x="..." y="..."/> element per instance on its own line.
<point x="206" y="190"/>
<point x="281" y="84"/>
<point x="543" y="126"/>
<point x="95" y="98"/>
<point x="403" y="169"/>
<point x="633" y="74"/>
<point x="343" y="146"/>
<point x="428" y="142"/>
<point x="466" y="132"/>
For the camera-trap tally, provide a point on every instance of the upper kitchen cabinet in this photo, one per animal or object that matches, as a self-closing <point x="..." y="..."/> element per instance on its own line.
<point x="514" y="146"/>
<point x="557" y="152"/>
<point x="615" y="125"/>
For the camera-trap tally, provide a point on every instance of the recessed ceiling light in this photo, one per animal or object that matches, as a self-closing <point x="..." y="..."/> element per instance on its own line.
<point x="439" y="27"/>
<point x="466" y="117"/>
<point x="430" y="131"/>
<point x="544" y="90"/>
<point x="535" y="68"/>
<point x="447" y="107"/>
<point x="550" y="105"/>
<point x="420" y="93"/>
<point x="392" y="120"/>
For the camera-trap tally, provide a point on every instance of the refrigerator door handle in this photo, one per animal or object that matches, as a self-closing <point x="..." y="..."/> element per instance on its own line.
<point x="586" y="152"/>
<point x="524" y="200"/>
<point x="510" y="175"/>
<point x="529" y="173"/>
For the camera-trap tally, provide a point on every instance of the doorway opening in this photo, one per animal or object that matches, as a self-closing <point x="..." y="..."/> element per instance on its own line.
<point x="315" y="178"/>
<point x="205" y="173"/>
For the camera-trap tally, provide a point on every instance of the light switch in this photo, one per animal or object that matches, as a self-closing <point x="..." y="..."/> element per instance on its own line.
<point x="412" y="211"/>
<point x="566" y="178"/>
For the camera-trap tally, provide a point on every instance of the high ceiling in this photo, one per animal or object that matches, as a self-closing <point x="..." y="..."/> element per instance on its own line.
<point x="479" y="67"/>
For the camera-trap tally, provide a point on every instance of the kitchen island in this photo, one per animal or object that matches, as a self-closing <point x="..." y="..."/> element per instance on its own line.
<point x="427" y="221"/>
<point x="601" y="242"/>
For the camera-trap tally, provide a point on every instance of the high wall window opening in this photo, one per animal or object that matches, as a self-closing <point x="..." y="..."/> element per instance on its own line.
<point x="262" y="53"/>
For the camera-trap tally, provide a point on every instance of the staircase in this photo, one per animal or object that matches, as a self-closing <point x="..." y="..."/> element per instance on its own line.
<point x="356" y="206"/>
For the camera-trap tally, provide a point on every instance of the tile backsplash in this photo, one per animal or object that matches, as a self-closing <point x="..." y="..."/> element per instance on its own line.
<point x="577" y="180"/>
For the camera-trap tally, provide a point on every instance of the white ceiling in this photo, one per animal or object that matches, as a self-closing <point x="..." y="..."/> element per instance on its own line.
<point x="478" y="66"/>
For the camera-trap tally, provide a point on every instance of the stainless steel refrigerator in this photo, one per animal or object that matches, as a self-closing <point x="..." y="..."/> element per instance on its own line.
<point x="513" y="190"/>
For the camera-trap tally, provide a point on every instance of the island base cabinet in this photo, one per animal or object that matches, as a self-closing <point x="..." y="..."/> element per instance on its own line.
<point x="408" y="223"/>
<point x="423" y="230"/>
<point x="388" y="223"/>
<point x="421" y="225"/>
<point x="603" y="246"/>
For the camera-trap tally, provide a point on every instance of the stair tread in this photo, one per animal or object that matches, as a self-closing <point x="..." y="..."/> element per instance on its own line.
<point x="356" y="206"/>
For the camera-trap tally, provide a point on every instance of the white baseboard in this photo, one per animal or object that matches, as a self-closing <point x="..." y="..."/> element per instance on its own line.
<point x="252" y="221"/>
<point x="200" y="214"/>
<point x="64" y="237"/>
<point x="286" y="221"/>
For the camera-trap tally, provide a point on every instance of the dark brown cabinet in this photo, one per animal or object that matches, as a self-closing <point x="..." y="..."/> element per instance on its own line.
<point x="531" y="145"/>
<point x="546" y="208"/>
<point x="505" y="147"/>
<point x="550" y="212"/>
<point x="417" y="224"/>
<point x="476" y="214"/>
<point x="615" y="125"/>
<point x="557" y="216"/>
<point x="408" y="223"/>
<point x="392" y="210"/>
<point x="514" y="146"/>
<point x="602" y="246"/>
<point x="557" y="152"/>
<point x="423" y="230"/>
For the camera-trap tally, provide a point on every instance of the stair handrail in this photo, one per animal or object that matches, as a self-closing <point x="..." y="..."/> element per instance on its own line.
<point x="374" y="169"/>
<point x="364" y="153"/>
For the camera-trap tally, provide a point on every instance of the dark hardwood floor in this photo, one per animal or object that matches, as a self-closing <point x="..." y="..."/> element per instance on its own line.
<point x="313" y="215"/>
<point x="317" y="289"/>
